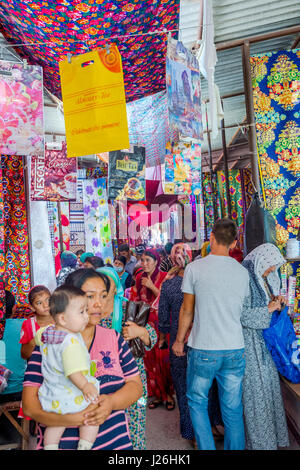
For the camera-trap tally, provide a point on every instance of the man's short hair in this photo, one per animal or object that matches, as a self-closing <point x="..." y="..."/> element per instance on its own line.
<point x="61" y="297"/>
<point x="225" y="231"/>
<point x="124" y="247"/>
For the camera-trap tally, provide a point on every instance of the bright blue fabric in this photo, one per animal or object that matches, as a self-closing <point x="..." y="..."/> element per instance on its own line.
<point x="282" y="343"/>
<point x="13" y="360"/>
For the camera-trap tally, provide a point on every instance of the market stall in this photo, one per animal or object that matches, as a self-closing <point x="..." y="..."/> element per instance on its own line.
<point x="128" y="165"/>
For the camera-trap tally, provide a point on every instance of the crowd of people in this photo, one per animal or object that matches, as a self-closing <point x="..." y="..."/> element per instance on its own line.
<point x="199" y="339"/>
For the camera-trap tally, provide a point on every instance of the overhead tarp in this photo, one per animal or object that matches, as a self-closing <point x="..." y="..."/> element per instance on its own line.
<point x="54" y="28"/>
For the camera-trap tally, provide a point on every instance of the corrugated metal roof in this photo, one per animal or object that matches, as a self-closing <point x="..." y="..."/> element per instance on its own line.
<point x="236" y="19"/>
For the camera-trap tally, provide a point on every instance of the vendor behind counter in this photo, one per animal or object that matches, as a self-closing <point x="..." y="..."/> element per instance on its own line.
<point x="10" y="353"/>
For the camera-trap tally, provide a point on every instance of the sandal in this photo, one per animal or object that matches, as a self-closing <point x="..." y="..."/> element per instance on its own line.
<point x="170" y="405"/>
<point x="154" y="404"/>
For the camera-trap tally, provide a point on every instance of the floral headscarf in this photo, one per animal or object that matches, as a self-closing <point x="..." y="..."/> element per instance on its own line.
<point x="262" y="258"/>
<point x="180" y="261"/>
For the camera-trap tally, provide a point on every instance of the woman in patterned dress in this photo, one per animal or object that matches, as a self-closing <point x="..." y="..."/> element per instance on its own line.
<point x="265" y="421"/>
<point x="113" y="317"/>
<point x="157" y="361"/>
<point x="170" y="301"/>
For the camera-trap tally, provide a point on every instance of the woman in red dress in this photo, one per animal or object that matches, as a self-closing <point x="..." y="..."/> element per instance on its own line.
<point x="148" y="284"/>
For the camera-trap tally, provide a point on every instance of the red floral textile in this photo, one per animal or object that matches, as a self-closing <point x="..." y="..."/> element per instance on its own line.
<point x="157" y="362"/>
<point x="14" y="254"/>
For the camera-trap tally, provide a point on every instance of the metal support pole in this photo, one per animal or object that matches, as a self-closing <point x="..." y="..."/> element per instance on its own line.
<point x="225" y="156"/>
<point x="250" y="114"/>
<point x="212" y="175"/>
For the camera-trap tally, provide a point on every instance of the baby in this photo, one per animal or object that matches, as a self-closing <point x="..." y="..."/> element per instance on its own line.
<point x="68" y="385"/>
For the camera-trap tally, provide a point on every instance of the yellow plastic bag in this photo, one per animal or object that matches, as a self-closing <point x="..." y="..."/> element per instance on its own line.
<point x="94" y="102"/>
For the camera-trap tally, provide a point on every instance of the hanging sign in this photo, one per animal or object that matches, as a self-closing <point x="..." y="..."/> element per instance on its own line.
<point x="94" y="102"/>
<point x="126" y="174"/>
<point x="183" y="92"/>
<point x="21" y="109"/>
<point x="53" y="176"/>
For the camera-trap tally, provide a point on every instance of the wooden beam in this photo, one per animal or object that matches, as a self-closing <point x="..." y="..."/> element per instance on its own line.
<point x="222" y="46"/>
<point x="231" y="141"/>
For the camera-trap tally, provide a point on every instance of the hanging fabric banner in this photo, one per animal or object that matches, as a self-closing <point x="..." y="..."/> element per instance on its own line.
<point x="64" y="219"/>
<point x="43" y="267"/>
<point x="77" y="237"/>
<point x="276" y="96"/>
<point x="21" y="109"/>
<point x="101" y="171"/>
<point x="126" y="174"/>
<point x="94" y="102"/>
<point x="183" y="92"/>
<point x="183" y="169"/>
<point x="17" y="271"/>
<point x="53" y="176"/>
<point x="2" y="250"/>
<point x="96" y="219"/>
<point x="148" y="126"/>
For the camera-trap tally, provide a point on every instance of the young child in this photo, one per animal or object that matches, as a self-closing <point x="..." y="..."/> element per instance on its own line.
<point x="38" y="299"/>
<point x="68" y="385"/>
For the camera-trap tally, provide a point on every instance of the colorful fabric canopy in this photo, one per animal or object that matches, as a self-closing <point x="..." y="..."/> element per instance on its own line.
<point x="55" y="28"/>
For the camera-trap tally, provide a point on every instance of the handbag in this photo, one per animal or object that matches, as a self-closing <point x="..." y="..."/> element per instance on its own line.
<point x="137" y="312"/>
<point x="281" y="341"/>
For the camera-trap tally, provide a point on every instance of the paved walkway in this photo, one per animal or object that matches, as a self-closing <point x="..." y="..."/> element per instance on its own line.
<point x="162" y="432"/>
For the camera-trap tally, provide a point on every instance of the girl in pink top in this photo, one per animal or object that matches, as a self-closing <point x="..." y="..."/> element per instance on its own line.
<point x="39" y="303"/>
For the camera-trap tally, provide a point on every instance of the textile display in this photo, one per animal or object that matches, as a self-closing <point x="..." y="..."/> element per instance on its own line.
<point x="77" y="236"/>
<point x="50" y="210"/>
<point x="65" y="226"/>
<point x="276" y="93"/>
<point x="96" y="219"/>
<point x="53" y="176"/>
<point x="126" y="174"/>
<point x="148" y="126"/>
<point x="183" y="169"/>
<point x="2" y="252"/>
<point x="59" y="27"/>
<point x="100" y="171"/>
<point x="236" y="196"/>
<point x="21" y="109"/>
<point x="93" y="92"/>
<point x="209" y="198"/>
<point x="42" y="263"/>
<point x="113" y="219"/>
<point x="207" y="58"/>
<point x="241" y="190"/>
<point x="17" y="270"/>
<point x="183" y="92"/>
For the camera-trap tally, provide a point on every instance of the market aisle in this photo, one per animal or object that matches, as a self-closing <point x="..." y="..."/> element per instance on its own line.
<point x="162" y="432"/>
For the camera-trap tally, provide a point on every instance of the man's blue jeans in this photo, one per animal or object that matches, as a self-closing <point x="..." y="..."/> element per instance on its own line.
<point x="228" y="368"/>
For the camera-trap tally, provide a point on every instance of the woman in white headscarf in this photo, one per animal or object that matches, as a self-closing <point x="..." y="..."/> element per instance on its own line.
<point x="265" y="421"/>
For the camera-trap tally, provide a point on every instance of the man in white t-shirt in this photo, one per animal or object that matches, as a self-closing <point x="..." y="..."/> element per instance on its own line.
<point x="214" y="290"/>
